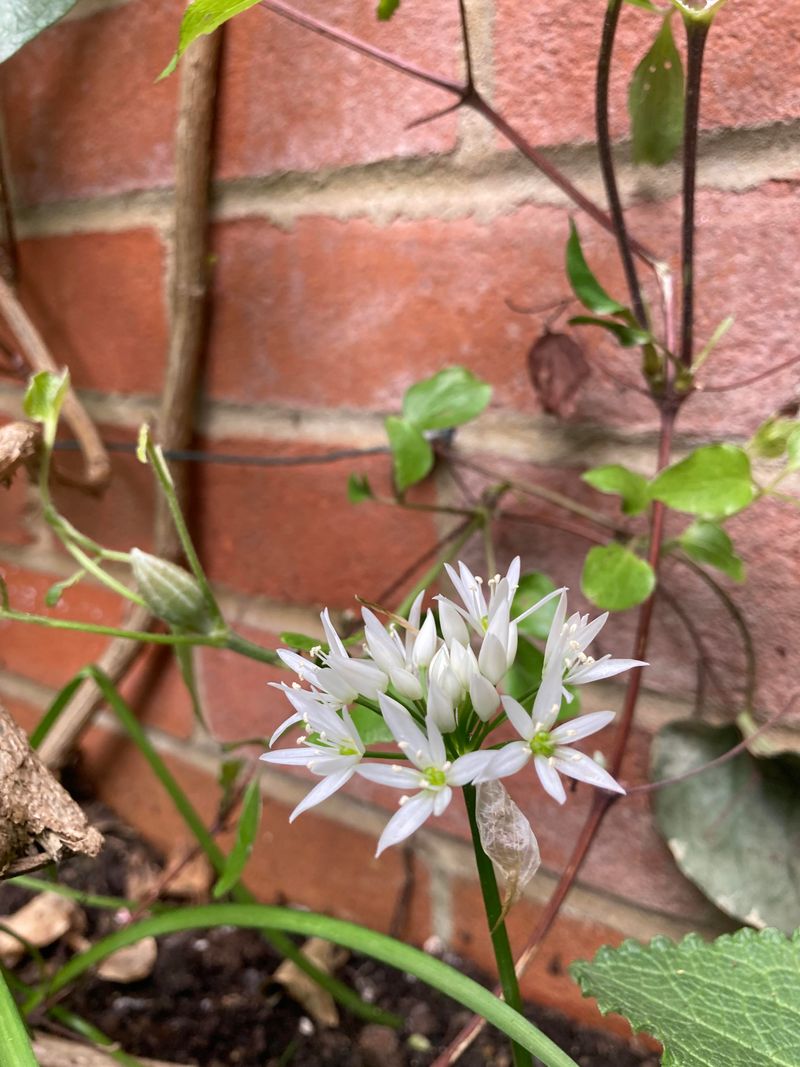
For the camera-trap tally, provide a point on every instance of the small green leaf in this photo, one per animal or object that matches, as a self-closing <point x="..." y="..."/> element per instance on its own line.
<point x="771" y="439"/>
<point x="371" y="728"/>
<point x="386" y="8"/>
<point x="620" y="481"/>
<point x="43" y="399"/>
<point x="731" y="1003"/>
<point x="713" y="482"/>
<point x="449" y="398"/>
<point x="411" y="453"/>
<point x="245" y="839"/>
<point x="731" y="829"/>
<point x="301" y="642"/>
<point x="656" y="101"/>
<point x="708" y="543"/>
<point x="615" y="579"/>
<point x="57" y="590"/>
<point x="628" y="336"/>
<point x="359" y="489"/>
<point x="532" y="587"/>
<point x="793" y="450"/>
<point x="584" y="284"/>
<point x="22" y="20"/>
<point x="201" y="17"/>
<point x="526" y="670"/>
<point x="228" y="773"/>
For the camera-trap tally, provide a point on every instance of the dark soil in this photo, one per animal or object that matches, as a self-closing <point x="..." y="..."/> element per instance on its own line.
<point x="211" y="999"/>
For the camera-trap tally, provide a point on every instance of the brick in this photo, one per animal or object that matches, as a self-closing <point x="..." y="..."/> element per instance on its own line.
<point x="15" y="512"/>
<point x="289" y="533"/>
<point x="155" y="690"/>
<point x="748" y="81"/>
<point x="358" y="312"/>
<point x="290" y="100"/>
<point x="82" y="114"/>
<point x="48" y="656"/>
<point x="98" y="300"/>
<point x="24" y="713"/>
<point x="314" y="863"/>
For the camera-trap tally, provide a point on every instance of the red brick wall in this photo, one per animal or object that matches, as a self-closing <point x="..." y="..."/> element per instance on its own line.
<point x="352" y="257"/>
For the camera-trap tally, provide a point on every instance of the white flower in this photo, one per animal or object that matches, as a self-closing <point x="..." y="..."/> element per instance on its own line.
<point x="399" y="660"/>
<point x="432" y="774"/>
<point x="567" y="642"/>
<point x="549" y="747"/>
<point x="476" y="611"/>
<point x="333" y="751"/>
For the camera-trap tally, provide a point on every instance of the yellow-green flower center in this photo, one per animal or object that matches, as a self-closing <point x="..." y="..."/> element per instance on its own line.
<point x="542" y="744"/>
<point x="435" y="777"/>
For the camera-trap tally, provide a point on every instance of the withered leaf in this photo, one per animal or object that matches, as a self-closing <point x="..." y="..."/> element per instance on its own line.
<point x="19" y="443"/>
<point x="557" y="369"/>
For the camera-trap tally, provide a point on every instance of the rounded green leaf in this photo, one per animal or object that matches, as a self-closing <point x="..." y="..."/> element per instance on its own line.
<point x="615" y="579"/>
<point x="411" y="453"/>
<point x="713" y="482"/>
<point x="532" y="587"/>
<point x="619" y="481"/>
<point x="708" y="543"/>
<point x="449" y="398"/>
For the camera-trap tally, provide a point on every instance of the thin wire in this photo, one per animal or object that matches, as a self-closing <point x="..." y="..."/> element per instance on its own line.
<point x="189" y="455"/>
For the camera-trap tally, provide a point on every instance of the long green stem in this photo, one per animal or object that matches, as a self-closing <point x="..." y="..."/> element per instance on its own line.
<point x="15" y="1045"/>
<point x="396" y="954"/>
<point x="236" y="643"/>
<point x="497" y="928"/>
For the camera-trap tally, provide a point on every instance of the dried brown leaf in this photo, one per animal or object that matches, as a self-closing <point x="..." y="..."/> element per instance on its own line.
<point x="41" y="921"/>
<point x="557" y="369"/>
<point x="19" y="443"/>
<point x="131" y="963"/>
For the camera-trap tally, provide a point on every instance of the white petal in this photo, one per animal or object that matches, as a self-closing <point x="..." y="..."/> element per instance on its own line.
<point x="362" y="675"/>
<point x="404" y="822"/>
<point x="327" y="787"/>
<point x="506" y="761"/>
<point x="555" y="637"/>
<point x="492" y="658"/>
<point x="391" y="774"/>
<point x="289" y="756"/>
<point x="407" y="684"/>
<point x="333" y="639"/>
<point x="548" y="700"/>
<point x="441" y="799"/>
<point x="381" y="647"/>
<point x="606" y="667"/>
<point x="440" y="708"/>
<point x="590" y="630"/>
<point x="579" y="765"/>
<point x="519" y="718"/>
<point x="548" y="776"/>
<point x="581" y="726"/>
<point x="453" y="627"/>
<point x="297" y="663"/>
<point x="414" y="615"/>
<point x="512" y="574"/>
<point x="297" y="717"/>
<point x="484" y="697"/>
<point x="435" y="744"/>
<point x="540" y="604"/>
<point x="425" y="644"/>
<point x="474" y="600"/>
<point x="469" y="767"/>
<point x="412" y="741"/>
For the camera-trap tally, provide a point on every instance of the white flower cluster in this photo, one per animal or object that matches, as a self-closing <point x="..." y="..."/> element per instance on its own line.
<point x="439" y="692"/>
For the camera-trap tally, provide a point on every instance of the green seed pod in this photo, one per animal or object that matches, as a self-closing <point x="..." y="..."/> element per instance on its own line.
<point x="171" y="593"/>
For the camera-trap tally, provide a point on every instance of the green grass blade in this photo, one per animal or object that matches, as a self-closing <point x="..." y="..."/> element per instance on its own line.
<point x="15" y="1046"/>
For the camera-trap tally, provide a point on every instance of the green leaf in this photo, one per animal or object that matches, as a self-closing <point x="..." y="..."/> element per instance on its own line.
<point x="628" y="336"/>
<point x="793" y="450"/>
<point x="57" y="590"/>
<point x="301" y="642"/>
<point x="526" y="670"/>
<point x="411" y="453"/>
<point x="775" y="437"/>
<point x="359" y="489"/>
<point x="732" y="1003"/>
<point x="14" y="1040"/>
<point x="386" y="8"/>
<point x="202" y="17"/>
<point x="708" y="543"/>
<point x="22" y="20"/>
<point x="732" y="829"/>
<point x="656" y="101"/>
<point x="229" y="771"/>
<point x="532" y="587"/>
<point x="615" y="579"/>
<point x="43" y="399"/>
<point x="371" y="728"/>
<point x="449" y="398"/>
<point x="245" y="839"/>
<point x="584" y="284"/>
<point x="713" y="482"/>
<point x="405" y="958"/>
<point x="620" y="481"/>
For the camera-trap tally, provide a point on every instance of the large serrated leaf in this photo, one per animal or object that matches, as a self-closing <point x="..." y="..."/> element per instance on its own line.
<point x="732" y="1003"/>
<point x="22" y="20"/>
<point x="734" y="829"/>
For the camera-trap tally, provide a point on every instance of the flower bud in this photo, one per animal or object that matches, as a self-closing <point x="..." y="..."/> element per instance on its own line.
<point x="453" y="626"/>
<point x="171" y="593"/>
<point x="484" y="697"/>
<point x="425" y="643"/>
